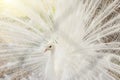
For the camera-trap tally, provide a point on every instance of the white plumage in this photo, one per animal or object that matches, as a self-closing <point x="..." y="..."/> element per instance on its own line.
<point x="60" y="40"/>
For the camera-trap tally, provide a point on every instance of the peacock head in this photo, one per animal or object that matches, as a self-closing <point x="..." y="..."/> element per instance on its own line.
<point x="50" y="47"/>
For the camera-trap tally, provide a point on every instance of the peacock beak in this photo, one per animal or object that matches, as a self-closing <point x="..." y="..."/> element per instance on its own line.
<point x="45" y="50"/>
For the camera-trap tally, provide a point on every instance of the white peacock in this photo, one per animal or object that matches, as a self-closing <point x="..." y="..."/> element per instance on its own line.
<point x="60" y="40"/>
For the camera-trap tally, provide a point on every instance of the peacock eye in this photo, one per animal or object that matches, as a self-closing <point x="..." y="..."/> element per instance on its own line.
<point x="50" y="46"/>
